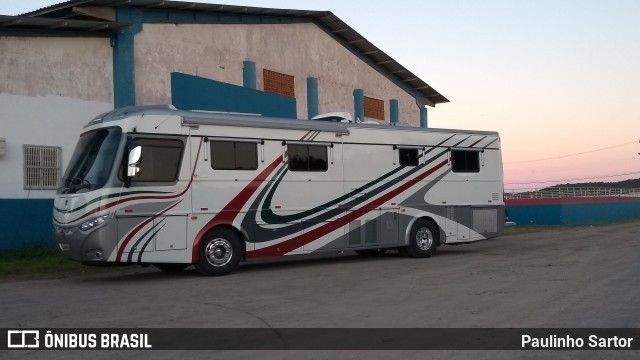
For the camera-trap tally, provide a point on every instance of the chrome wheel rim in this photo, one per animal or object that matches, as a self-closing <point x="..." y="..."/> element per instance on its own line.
<point x="219" y="252"/>
<point x="424" y="238"/>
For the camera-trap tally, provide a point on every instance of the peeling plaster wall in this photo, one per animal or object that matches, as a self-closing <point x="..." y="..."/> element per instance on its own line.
<point x="216" y="51"/>
<point x="50" y="88"/>
<point x="79" y="68"/>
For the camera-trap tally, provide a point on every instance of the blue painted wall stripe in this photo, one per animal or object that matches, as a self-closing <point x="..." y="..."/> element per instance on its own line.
<point x="124" y="88"/>
<point x="190" y="92"/>
<point x="420" y="101"/>
<point x="393" y="111"/>
<point x="424" y="117"/>
<point x="573" y="214"/>
<point x="358" y="104"/>
<point x="25" y="222"/>
<point x="312" y="97"/>
<point x="249" y="75"/>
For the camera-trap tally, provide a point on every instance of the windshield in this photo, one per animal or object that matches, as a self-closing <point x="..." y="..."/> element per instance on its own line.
<point x="92" y="160"/>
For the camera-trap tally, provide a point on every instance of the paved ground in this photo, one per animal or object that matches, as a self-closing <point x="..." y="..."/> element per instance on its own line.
<point x="577" y="277"/>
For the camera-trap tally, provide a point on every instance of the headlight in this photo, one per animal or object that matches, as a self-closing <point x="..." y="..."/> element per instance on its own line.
<point x="93" y="222"/>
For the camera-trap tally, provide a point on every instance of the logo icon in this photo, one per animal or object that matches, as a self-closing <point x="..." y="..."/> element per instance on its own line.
<point x="23" y="339"/>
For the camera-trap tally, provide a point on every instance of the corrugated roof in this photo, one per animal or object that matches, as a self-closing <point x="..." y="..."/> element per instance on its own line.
<point x="340" y="30"/>
<point x="20" y="23"/>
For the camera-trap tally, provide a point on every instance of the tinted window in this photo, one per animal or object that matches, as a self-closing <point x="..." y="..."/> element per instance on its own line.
<point x="465" y="161"/>
<point x="408" y="157"/>
<point x="92" y="160"/>
<point x="230" y="155"/>
<point x="307" y="157"/>
<point x="160" y="160"/>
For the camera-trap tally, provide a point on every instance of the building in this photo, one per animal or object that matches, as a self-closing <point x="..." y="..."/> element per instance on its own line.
<point x="64" y="64"/>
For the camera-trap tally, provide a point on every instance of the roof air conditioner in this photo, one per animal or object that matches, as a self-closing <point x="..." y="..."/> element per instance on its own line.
<point x="334" y="116"/>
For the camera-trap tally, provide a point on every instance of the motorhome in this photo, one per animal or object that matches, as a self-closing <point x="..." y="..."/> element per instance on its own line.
<point x="173" y="188"/>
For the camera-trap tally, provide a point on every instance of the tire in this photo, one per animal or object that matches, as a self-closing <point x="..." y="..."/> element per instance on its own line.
<point x="371" y="252"/>
<point x="423" y="239"/>
<point x="171" y="268"/>
<point x="220" y="253"/>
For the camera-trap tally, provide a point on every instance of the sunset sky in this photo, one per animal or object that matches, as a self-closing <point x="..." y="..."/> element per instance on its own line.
<point x="559" y="79"/>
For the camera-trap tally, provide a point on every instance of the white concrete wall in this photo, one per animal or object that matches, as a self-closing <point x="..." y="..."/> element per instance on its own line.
<point x="47" y="120"/>
<point x="50" y="88"/>
<point x="217" y="51"/>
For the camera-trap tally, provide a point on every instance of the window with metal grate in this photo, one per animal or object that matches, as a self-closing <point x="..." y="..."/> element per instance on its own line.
<point x="42" y="167"/>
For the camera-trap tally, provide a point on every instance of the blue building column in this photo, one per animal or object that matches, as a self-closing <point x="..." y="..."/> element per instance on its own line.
<point x="358" y="104"/>
<point x="312" y="97"/>
<point x="249" y="74"/>
<point x="124" y="79"/>
<point x="393" y="111"/>
<point x="420" y="101"/>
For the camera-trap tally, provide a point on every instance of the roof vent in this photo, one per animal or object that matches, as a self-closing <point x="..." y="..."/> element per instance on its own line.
<point x="334" y="116"/>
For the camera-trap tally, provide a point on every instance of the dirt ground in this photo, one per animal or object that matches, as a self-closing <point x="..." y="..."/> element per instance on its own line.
<point x="576" y="277"/>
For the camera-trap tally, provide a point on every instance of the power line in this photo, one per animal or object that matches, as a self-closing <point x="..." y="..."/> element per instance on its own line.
<point x="570" y="155"/>
<point x="567" y="180"/>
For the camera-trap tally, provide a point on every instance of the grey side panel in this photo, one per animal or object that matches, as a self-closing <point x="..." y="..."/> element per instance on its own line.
<point x="382" y="231"/>
<point x="77" y="245"/>
<point x="488" y="221"/>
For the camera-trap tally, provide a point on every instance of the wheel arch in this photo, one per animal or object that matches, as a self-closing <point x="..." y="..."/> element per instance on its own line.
<point x="241" y="233"/>
<point x="407" y="232"/>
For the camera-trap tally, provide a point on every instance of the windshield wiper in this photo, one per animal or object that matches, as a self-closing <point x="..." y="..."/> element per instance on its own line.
<point x="77" y="183"/>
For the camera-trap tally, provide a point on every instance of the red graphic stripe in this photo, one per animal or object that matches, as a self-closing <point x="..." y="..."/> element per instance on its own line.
<point x="141" y="225"/>
<point x="231" y="210"/>
<point x="138" y="228"/>
<point x="148" y="197"/>
<point x="301" y="240"/>
<point x="307" y="134"/>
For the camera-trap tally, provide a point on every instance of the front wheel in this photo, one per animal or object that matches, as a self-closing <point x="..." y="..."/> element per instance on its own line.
<point x="423" y="241"/>
<point x="220" y="253"/>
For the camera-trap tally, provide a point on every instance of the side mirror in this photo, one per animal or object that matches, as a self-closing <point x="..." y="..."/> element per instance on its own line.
<point x="134" y="158"/>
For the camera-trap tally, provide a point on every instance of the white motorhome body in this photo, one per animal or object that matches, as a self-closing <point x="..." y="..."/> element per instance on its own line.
<point x="155" y="185"/>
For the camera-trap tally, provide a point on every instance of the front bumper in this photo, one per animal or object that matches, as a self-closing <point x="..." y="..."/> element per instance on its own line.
<point x="92" y="247"/>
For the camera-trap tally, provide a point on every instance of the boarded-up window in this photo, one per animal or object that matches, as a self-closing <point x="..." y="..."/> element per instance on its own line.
<point x="278" y="83"/>
<point x="373" y="108"/>
<point x="42" y="167"/>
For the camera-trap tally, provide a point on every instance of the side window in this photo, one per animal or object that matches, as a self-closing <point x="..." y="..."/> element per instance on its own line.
<point x="307" y="157"/>
<point x="465" y="161"/>
<point x="160" y="160"/>
<point x="232" y="155"/>
<point x="408" y="157"/>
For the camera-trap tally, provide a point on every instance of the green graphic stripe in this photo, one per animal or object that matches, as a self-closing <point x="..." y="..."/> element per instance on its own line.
<point x="270" y="217"/>
<point x="110" y="196"/>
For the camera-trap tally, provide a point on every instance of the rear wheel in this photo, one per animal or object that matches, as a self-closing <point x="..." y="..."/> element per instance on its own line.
<point x="171" y="267"/>
<point x="220" y="252"/>
<point x="423" y="241"/>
